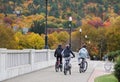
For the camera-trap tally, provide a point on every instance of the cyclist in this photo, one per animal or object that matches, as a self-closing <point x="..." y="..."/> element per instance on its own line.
<point x="67" y="53"/>
<point x="83" y="54"/>
<point x="58" y="54"/>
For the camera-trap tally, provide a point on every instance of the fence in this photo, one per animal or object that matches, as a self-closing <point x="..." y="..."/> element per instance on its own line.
<point x="16" y="62"/>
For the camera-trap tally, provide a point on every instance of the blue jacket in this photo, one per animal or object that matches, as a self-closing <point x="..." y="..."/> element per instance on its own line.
<point x="83" y="53"/>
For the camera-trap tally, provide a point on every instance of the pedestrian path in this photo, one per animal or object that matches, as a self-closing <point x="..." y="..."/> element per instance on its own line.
<point x="99" y="71"/>
<point x="95" y="68"/>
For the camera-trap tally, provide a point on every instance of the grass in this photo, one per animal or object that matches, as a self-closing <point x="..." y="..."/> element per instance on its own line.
<point x="106" y="78"/>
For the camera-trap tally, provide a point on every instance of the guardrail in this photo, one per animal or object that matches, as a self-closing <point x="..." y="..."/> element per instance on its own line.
<point x="17" y="62"/>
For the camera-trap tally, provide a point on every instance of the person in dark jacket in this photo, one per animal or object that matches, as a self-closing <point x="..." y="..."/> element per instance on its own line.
<point x="66" y="53"/>
<point x="58" y="54"/>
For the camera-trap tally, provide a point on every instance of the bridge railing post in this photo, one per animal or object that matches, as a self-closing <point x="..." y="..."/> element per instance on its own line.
<point x="32" y="60"/>
<point x="3" y="54"/>
<point x="48" y="53"/>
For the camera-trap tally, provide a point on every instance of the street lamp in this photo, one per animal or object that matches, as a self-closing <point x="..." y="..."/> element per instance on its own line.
<point x="86" y="38"/>
<point x="70" y="25"/>
<point x="80" y="37"/>
<point x="46" y="37"/>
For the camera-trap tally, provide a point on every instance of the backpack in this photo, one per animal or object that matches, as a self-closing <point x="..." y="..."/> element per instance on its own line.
<point x="58" y="51"/>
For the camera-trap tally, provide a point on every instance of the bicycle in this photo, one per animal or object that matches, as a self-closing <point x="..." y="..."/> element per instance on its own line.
<point x="58" y="66"/>
<point x="108" y="65"/>
<point x="67" y="66"/>
<point x="83" y="65"/>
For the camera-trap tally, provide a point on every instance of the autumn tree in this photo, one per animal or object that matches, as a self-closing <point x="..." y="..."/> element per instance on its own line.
<point x="31" y="40"/>
<point x="113" y="36"/>
<point x="52" y="41"/>
<point x="7" y="38"/>
<point x="63" y="37"/>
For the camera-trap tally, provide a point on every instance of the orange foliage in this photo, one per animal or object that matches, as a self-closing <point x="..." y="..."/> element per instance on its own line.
<point x="107" y="23"/>
<point x="96" y="22"/>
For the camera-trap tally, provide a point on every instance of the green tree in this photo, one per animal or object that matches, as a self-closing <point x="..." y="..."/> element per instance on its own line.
<point x="54" y="10"/>
<point x="38" y="27"/>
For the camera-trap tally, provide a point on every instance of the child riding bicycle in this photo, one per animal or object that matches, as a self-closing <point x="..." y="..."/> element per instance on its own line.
<point x="66" y="53"/>
<point x="58" y="54"/>
<point x="83" y="54"/>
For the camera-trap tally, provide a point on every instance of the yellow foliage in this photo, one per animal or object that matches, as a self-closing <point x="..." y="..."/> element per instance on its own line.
<point x="63" y="37"/>
<point x="52" y="40"/>
<point x="1" y="16"/>
<point x="11" y="2"/>
<point x="31" y="40"/>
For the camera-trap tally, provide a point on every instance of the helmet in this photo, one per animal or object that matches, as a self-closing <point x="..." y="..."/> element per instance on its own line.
<point x="59" y="46"/>
<point x="84" y="46"/>
<point x="67" y="46"/>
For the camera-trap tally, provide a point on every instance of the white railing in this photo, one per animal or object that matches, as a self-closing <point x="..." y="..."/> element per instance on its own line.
<point x="17" y="58"/>
<point x="17" y="62"/>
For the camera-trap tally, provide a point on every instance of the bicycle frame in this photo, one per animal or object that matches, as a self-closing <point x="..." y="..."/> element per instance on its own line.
<point x="108" y="65"/>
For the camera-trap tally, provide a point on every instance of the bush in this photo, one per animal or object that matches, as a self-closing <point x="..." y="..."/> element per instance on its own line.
<point x="113" y="55"/>
<point x="117" y="69"/>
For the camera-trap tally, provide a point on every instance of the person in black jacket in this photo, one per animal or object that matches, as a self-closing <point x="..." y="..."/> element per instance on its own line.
<point x="66" y="53"/>
<point x="58" y="54"/>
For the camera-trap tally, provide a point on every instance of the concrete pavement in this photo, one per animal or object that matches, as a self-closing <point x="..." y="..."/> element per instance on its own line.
<point x="99" y="70"/>
<point x="49" y="74"/>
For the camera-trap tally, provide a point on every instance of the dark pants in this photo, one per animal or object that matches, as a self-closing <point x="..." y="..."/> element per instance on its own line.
<point x="59" y="57"/>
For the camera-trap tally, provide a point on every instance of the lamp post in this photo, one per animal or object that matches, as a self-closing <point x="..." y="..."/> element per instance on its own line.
<point x="80" y="37"/>
<point x="101" y="49"/>
<point x="70" y="25"/>
<point x="46" y="37"/>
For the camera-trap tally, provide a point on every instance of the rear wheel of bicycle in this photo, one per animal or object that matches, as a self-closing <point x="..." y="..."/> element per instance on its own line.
<point x="70" y="71"/>
<point x="56" y="68"/>
<point x="65" y="71"/>
<point x="80" y="69"/>
<point x="61" y="69"/>
<point x="85" y="66"/>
